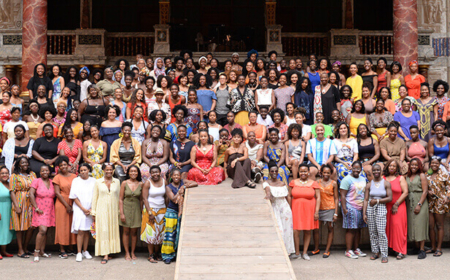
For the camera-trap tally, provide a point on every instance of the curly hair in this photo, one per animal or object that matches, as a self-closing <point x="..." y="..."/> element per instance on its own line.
<point x="47" y="108"/>
<point x="180" y="107"/>
<point x="197" y="77"/>
<point x="438" y="83"/>
<point x="279" y="111"/>
<point x="153" y="115"/>
<point x="386" y="167"/>
<point x="419" y="165"/>
<point x="292" y="127"/>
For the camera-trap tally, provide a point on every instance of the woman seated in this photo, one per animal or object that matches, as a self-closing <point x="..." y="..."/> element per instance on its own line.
<point x="368" y="149"/>
<point x="61" y="114"/>
<point x="119" y="102"/>
<point x="278" y="117"/>
<point x="379" y="120"/>
<point x="237" y="164"/>
<point x="125" y="152"/>
<point x="274" y="150"/>
<point x="392" y="147"/>
<point x="94" y="152"/>
<point x="319" y="120"/>
<point x="32" y="118"/>
<point x="203" y="160"/>
<point x="71" y="148"/>
<point x="180" y="113"/>
<point x="259" y="129"/>
<point x="72" y="122"/>
<point x="440" y="146"/>
<point x="200" y="125"/>
<point x="280" y="198"/>
<point x="296" y="148"/>
<point x="255" y="154"/>
<point x="155" y="151"/>
<point x="111" y="128"/>
<point x="180" y="152"/>
<point x="139" y="129"/>
<point x="416" y="147"/>
<point x="21" y="145"/>
<point x="406" y="118"/>
<point x="45" y="150"/>
<point x="157" y="117"/>
<point x="47" y="113"/>
<point x="9" y="127"/>
<point x="357" y="117"/>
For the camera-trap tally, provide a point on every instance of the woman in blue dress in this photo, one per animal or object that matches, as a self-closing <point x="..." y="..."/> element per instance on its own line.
<point x="274" y="150"/>
<point x="111" y="128"/>
<point x="304" y="98"/>
<point x="180" y="112"/>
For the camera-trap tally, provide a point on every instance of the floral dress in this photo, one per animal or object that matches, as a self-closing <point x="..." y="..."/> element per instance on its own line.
<point x="154" y="158"/>
<point x="441" y="104"/>
<point x="439" y="188"/>
<point x="44" y="201"/>
<point x="95" y="155"/>
<point x="426" y="113"/>
<point x="192" y="118"/>
<point x="5" y="116"/>
<point x="20" y="184"/>
<point x="72" y="154"/>
<point x="56" y="89"/>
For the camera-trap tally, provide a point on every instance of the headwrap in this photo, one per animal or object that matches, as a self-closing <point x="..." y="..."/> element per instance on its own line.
<point x="201" y="59"/>
<point x="144" y="70"/>
<point x="337" y="62"/>
<point x="85" y="68"/>
<point x="159" y="71"/>
<point x="413" y="62"/>
<point x="252" y="51"/>
<point x="235" y="53"/>
<point x="6" y="79"/>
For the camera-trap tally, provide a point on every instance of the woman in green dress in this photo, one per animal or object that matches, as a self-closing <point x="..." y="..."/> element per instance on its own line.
<point x="130" y="209"/>
<point x="417" y="206"/>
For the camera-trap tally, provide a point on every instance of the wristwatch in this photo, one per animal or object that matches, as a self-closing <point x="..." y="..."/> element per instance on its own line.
<point x="336" y="215"/>
<point x="420" y="204"/>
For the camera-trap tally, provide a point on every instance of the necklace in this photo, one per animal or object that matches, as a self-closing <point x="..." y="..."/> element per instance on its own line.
<point x="377" y="184"/>
<point x="303" y="182"/>
<point x="35" y="120"/>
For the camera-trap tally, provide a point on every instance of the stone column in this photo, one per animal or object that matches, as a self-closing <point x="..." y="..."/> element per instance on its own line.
<point x="34" y="38"/>
<point x="348" y="14"/>
<point x="405" y="32"/>
<point x="162" y="30"/>
<point x="10" y="73"/>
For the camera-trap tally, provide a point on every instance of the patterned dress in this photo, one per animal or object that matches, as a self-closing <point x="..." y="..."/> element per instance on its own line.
<point x="192" y="118"/>
<point x="154" y="158"/>
<point x="95" y="155"/>
<point x="72" y="154"/>
<point x="56" y="89"/>
<point x="20" y="184"/>
<point x="44" y="200"/>
<point x="441" y="104"/>
<point x="317" y="102"/>
<point x="426" y="113"/>
<point x="5" y="116"/>
<point x="283" y="172"/>
<point x="215" y="176"/>
<point x="440" y="188"/>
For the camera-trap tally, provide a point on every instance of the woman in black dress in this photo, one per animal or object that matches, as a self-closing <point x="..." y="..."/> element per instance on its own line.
<point x="38" y="79"/>
<point x="237" y="164"/>
<point x="331" y="99"/>
<point x="45" y="150"/>
<point x="93" y="107"/>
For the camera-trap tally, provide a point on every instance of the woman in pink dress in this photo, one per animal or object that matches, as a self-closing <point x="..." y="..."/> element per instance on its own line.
<point x="42" y="194"/>
<point x="70" y="148"/>
<point x="396" y="218"/>
<point x="203" y="160"/>
<point x="5" y="108"/>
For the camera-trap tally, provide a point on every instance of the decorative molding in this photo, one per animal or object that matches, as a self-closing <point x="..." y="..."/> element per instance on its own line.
<point x="89" y="39"/>
<point x="271" y="9"/>
<point x="161" y="36"/>
<point x="344" y="40"/>
<point x="424" y="40"/>
<point x="164" y="12"/>
<point x="441" y="46"/>
<point x="274" y="36"/>
<point x="9" y="40"/>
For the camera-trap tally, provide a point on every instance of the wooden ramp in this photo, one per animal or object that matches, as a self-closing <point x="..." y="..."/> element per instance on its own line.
<point x="230" y="233"/>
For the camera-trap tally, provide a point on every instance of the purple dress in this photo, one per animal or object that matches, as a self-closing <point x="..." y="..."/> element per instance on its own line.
<point x="283" y="96"/>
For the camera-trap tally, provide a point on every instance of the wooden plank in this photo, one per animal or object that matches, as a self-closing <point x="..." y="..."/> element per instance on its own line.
<point x="236" y="276"/>
<point x="219" y="236"/>
<point x="230" y="252"/>
<point x="235" y="268"/>
<point x="218" y="202"/>
<point x="234" y="243"/>
<point x="207" y="260"/>
<point x="230" y="229"/>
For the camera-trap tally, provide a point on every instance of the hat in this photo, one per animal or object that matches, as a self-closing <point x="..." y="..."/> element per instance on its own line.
<point x="159" y="91"/>
<point x="85" y="68"/>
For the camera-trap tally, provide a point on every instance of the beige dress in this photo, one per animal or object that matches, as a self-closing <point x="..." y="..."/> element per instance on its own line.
<point x="105" y="208"/>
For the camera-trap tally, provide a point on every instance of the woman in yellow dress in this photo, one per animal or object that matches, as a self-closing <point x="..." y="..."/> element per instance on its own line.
<point x="357" y="117"/>
<point x="94" y="152"/>
<point x="396" y="79"/>
<point x="105" y="210"/>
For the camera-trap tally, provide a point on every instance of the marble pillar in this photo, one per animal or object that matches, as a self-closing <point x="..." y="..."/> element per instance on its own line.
<point x="405" y="32"/>
<point x="34" y="38"/>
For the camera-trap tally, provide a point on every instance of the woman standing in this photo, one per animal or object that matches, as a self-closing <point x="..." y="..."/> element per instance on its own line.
<point x="222" y="94"/>
<point x="355" y="82"/>
<point x="264" y="96"/>
<point x="105" y="210"/>
<point x="347" y="151"/>
<point x="414" y="80"/>
<point x="130" y="209"/>
<point x="406" y="118"/>
<point x="205" y="96"/>
<point x="438" y="199"/>
<point x="368" y="149"/>
<point x="305" y="208"/>
<point x="111" y="128"/>
<point x="416" y="147"/>
<point x="312" y="74"/>
<point x="6" y="234"/>
<point x="42" y="193"/>
<point x="45" y="150"/>
<point x="71" y="148"/>
<point x="384" y="76"/>
<point x="203" y="161"/>
<point x="149" y="93"/>
<point x="38" y="79"/>
<point x="173" y="100"/>
<point x="397" y="225"/>
<point x="21" y="212"/>
<point x="242" y="101"/>
<point x="346" y="102"/>
<point x="385" y="94"/>
<point x="159" y="69"/>
<point x="258" y="129"/>
<point x="278" y="117"/>
<point x="81" y="193"/>
<point x="326" y="98"/>
<point x="125" y="152"/>
<point x="194" y="112"/>
<point x="304" y="98"/>
<point x="139" y="125"/>
<point x="352" y="202"/>
<point x="281" y="199"/>
<point x="94" y="152"/>
<point x="63" y="206"/>
<point x="427" y="107"/>
<point x="376" y="195"/>
<point x="237" y="164"/>
<point x="394" y="148"/>
<point x="283" y="94"/>
<point x="16" y="100"/>
<point x="396" y="79"/>
<point x="72" y="80"/>
<point x="153" y="226"/>
<point x="370" y="76"/>
<point x="108" y="85"/>
<point x="440" y="146"/>
<point x="296" y="148"/>
<point x="118" y="101"/>
<point x="441" y="88"/>
<point x="155" y="151"/>
<point x="137" y="100"/>
<point x="73" y="123"/>
<point x="274" y="150"/>
<point x="356" y="117"/>
<point x="329" y="207"/>
<point x="369" y="102"/>
<point x="417" y="202"/>
<point x="93" y="107"/>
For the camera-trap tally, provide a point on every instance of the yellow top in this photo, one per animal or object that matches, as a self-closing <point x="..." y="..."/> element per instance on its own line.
<point x="356" y="85"/>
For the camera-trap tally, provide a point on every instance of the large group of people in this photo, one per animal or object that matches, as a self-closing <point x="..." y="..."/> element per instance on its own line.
<point x="92" y="152"/>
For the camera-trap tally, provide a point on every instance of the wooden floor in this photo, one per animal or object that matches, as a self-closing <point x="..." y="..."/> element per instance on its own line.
<point x="230" y="233"/>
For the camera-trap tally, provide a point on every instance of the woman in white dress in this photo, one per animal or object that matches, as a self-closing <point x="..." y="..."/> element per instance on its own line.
<point x="81" y="193"/>
<point x="153" y="226"/>
<point x="278" y="194"/>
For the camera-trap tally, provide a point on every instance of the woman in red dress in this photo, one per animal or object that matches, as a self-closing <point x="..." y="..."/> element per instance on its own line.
<point x="203" y="160"/>
<point x="305" y="209"/>
<point x="70" y="148"/>
<point x="396" y="218"/>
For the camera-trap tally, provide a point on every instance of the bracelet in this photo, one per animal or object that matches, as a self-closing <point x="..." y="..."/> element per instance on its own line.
<point x="378" y="201"/>
<point x="336" y="215"/>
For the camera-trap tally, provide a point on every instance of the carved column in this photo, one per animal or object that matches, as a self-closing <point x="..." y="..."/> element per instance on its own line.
<point x="348" y="14"/>
<point x="164" y="11"/>
<point x="405" y="32"/>
<point x="85" y="14"/>
<point x="10" y="73"/>
<point x="273" y="34"/>
<point x="34" y="38"/>
<point x="162" y="35"/>
<point x="271" y="11"/>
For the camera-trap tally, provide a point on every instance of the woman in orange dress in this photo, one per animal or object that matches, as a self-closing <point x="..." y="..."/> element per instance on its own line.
<point x="305" y="209"/>
<point x="414" y="79"/>
<point x="63" y="207"/>
<point x="258" y="129"/>
<point x="174" y="99"/>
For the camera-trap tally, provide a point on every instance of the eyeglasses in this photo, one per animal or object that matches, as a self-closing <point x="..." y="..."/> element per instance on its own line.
<point x="437" y="158"/>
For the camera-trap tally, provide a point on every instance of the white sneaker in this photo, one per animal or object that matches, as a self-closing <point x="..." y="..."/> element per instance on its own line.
<point x="87" y="255"/>
<point x="360" y="253"/>
<point x="306" y="257"/>
<point x="79" y="257"/>
<point x="351" y="254"/>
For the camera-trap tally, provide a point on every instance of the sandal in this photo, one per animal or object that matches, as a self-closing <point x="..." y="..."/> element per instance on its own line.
<point x="312" y="253"/>
<point x="438" y="253"/>
<point x="63" y="255"/>
<point x="45" y="255"/>
<point x="29" y="253"/>
<point x="104" y="261"/>
<point x="400" y="256"/>
<point x="152" y="258"/>
<point x="374" y="257"/>
<point x="6" y="255"/>
<point x="429" y="250"/>
<point x="384" y="260"/>
<point x="326" y="255"/>
<point x="251" y="184"/>
<point x="24" y="256"/>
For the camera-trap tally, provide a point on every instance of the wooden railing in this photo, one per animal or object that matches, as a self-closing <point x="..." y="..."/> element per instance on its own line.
<point x="129" y="44"/>
<point x="376" y="43"/>
<point x="304" y="44"/>
<point x="61" y="42"/>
